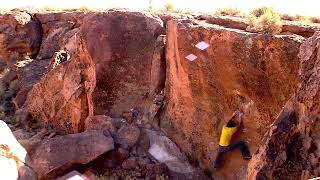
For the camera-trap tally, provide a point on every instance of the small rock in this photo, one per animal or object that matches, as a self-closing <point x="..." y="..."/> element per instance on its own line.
<point x="21" y="134"/>
<point x="313" y="159"/>
<point x="90" y="173"/>
<point x="143" y="142"/>
<point x="143" y="162"/>
<point x="127" y="136"/>
<point x="109" y="164"/>
<point x="26" y="173"/>
<point x="137" y="174"/>
<point x="156" y="169"/>
<point x="129" y="164"/>
<point x="128" y="116"/>
<point x="122" y="154"/>
<point x="118" y="122"/>
<point x="100" y="122"/>
<point x="160" y="168"/>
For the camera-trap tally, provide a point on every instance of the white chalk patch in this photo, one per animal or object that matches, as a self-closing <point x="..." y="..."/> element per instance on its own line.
<point x="160" y="154"/>
<point x="191" y="57"/>
<point x="73" y="175"/>
<point x="202" y="45"/>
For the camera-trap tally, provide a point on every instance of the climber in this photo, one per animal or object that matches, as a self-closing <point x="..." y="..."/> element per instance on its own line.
<point x="233" y="124"/>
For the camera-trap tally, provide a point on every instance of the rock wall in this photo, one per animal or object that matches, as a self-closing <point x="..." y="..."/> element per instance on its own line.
<point x="238" y="70"/>
<point x="126" y="71"/>
<point x="291" y="147"/>
<point x="123" y="52"/>
<point x="118" y="63"/>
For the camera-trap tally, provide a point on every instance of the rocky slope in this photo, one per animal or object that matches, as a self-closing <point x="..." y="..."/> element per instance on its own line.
<point x="115" y="77"/>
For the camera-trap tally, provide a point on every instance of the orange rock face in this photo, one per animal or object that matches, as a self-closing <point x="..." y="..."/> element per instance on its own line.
<point x="20" y="36"/>
<point x="63" y="96"/>
<point x="123" y="52"/>
<point x="238" y="70"/>
<point x="292" y="146"/>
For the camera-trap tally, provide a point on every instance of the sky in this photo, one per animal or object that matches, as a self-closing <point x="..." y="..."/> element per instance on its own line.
<point x="304" y="7"/>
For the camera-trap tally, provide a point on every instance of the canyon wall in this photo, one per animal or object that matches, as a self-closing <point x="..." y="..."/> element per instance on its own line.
<point x="117" y="62"/>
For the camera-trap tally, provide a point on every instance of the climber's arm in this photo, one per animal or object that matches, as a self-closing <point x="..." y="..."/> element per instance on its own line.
<point x="237" y="116"/>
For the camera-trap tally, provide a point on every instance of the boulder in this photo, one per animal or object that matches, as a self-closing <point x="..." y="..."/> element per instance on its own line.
<point x="100" y="122"/>
<point x="127" y="136"/>
<point x="12" y="156"/>
<point x="302" y="29"/>
<point x="52" y="157"/>
<point x="123" y="52"/>
<point x="291" y="148"/>
<point x="57" y="29"/>
<point x="239" y="70"/>
<point x="20" y="36"/>
<point x="166" y="151"/>
<point x="63" y="96"/>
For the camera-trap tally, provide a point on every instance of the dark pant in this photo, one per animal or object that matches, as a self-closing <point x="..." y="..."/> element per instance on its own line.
<point x="222" y="150"/>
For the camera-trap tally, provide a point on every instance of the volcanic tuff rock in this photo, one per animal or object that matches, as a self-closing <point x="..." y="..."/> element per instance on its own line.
<point x="57" y="28"/>
<point x="29" y="73"/>
<point x="57" y="154"/>
<point x="63" y="96"/>
<point x="123" y="53"/>
<point x="292" y="146"/>
<point x="238" y="70"/>
<point x="20" y="36"/>
<point x="117" y="65"/>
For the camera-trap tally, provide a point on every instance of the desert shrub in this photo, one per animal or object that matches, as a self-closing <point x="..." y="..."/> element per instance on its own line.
<point x="169" y="7"/>
<point x="257" y="12"/>
<point x="229" y="11"/>
<point x="264" y="20"/>
<point x="314" y="19"/>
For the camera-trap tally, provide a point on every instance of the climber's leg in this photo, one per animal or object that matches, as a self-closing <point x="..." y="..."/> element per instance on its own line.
<point x="244" y="149"/>
<point x="219" y="159"/>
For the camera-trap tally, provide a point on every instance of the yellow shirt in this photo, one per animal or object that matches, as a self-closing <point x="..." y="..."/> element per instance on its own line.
<point x="226" y="135"/>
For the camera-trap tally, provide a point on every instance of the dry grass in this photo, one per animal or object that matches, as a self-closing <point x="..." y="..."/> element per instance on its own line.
<point x="314" y="19"/>
<point x="264" y="19"/>
<point x="229" y="11"/>
<point x="257" y="12"/>
<point x="169" y="7"/>
<point x="85" y="9"/>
